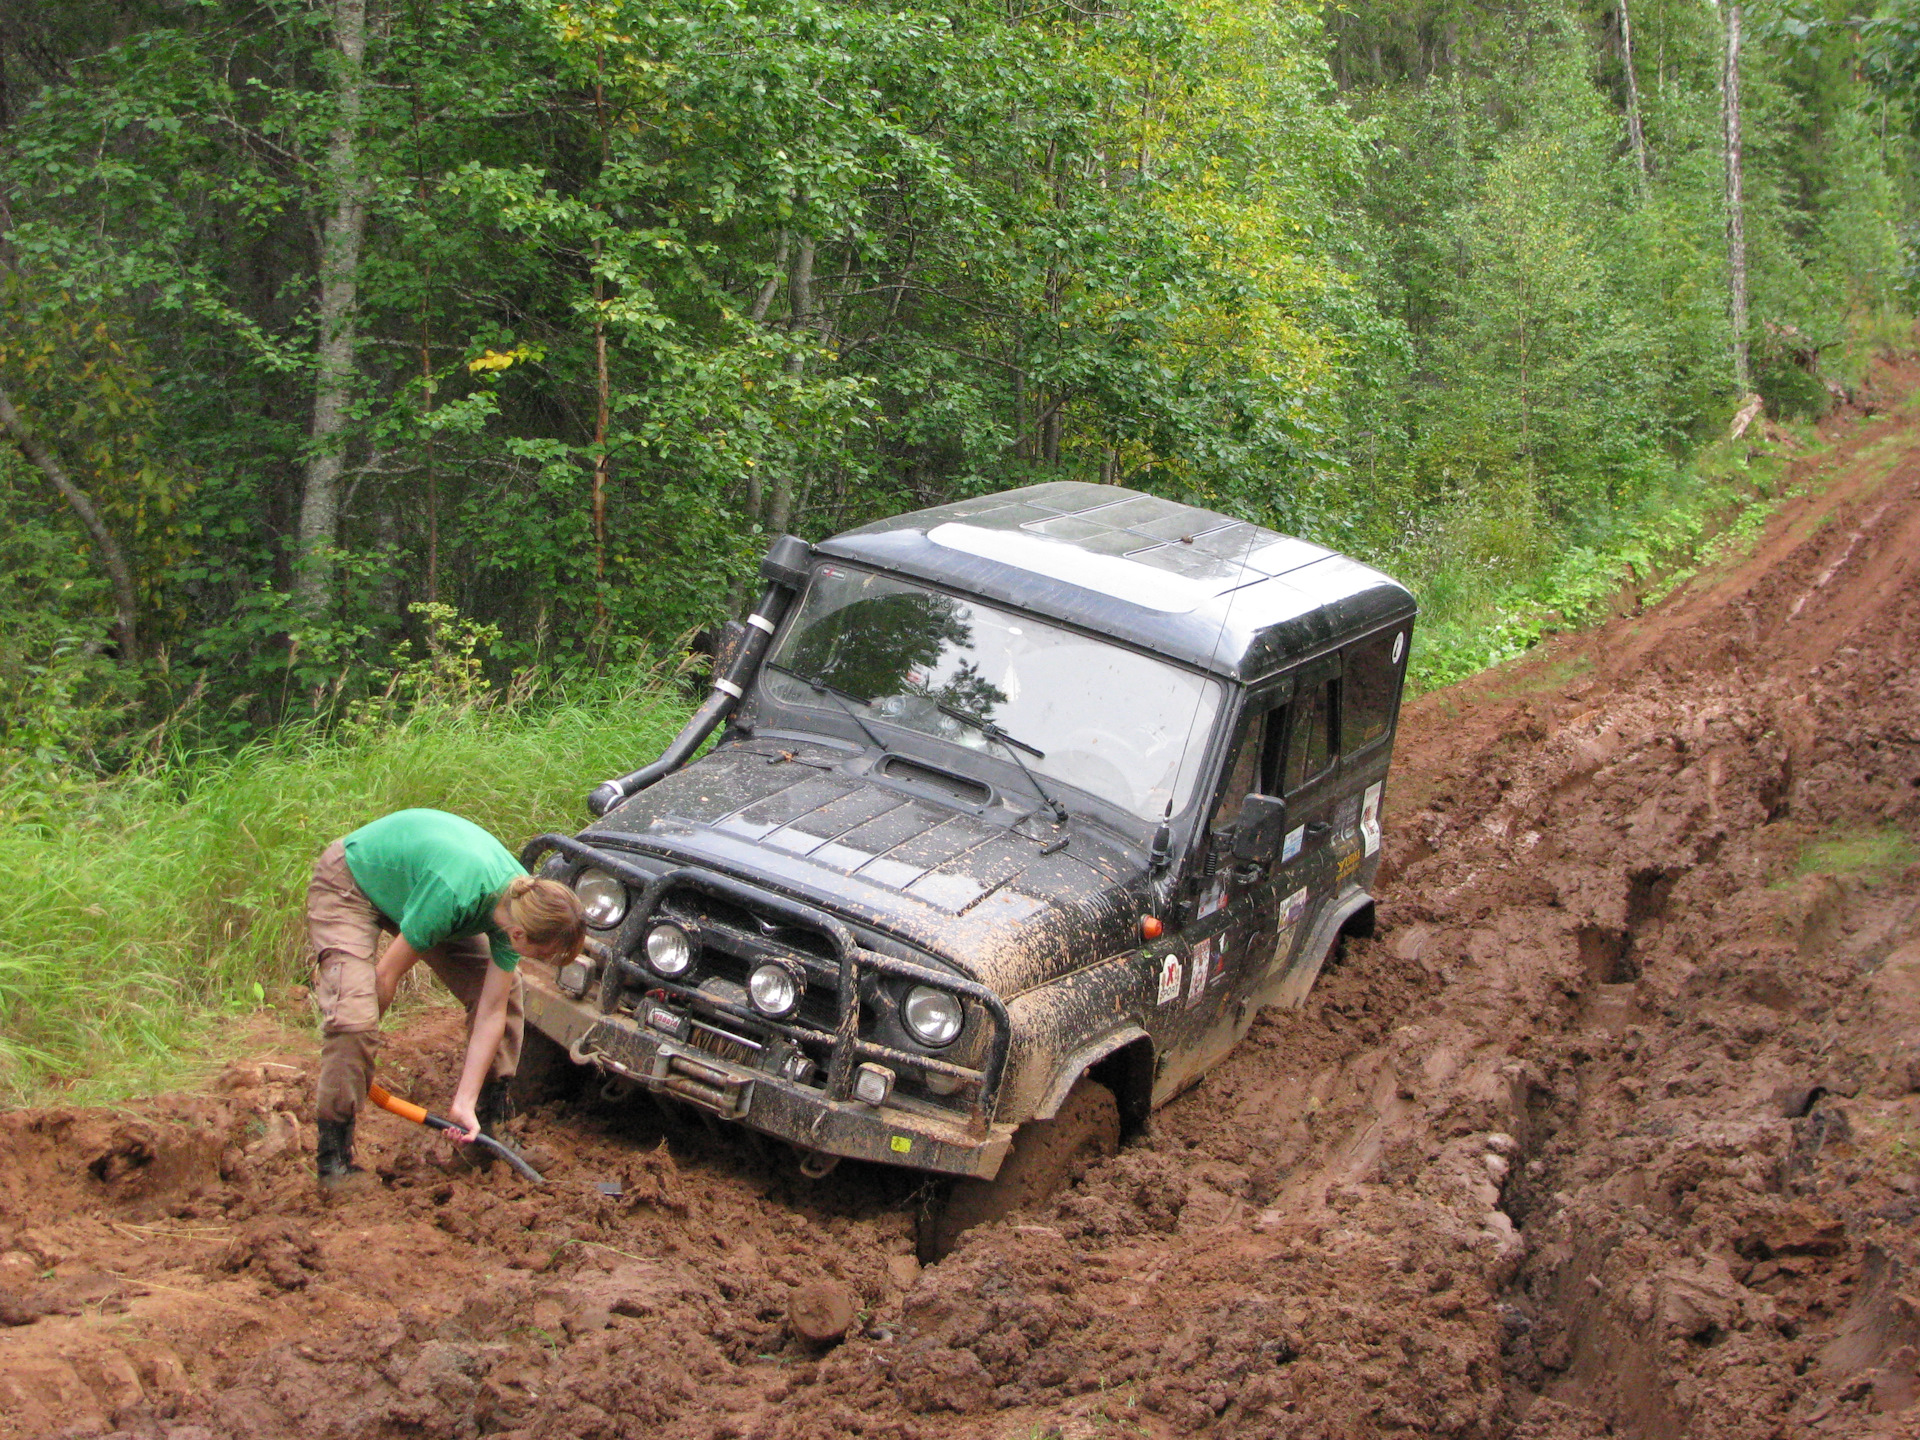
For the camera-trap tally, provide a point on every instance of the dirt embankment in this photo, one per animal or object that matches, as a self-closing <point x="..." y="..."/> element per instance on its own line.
<point x="1615" y="1129"/>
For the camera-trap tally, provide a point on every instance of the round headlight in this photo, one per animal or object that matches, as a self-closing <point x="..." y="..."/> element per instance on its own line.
<point x="933" y="1016"/>
<point x="669" y="951"/>
<point x="774" y="988"/>
<point x="602" y="896"/>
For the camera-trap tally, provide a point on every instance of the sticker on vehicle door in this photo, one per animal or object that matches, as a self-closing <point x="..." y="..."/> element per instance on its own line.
<point x="1293" y="907"/>
<point x="1169" y="980"/>
<point x="1291" y="847"/>
<point x="1197" y="978"/>
<point x="1370" y="816"/>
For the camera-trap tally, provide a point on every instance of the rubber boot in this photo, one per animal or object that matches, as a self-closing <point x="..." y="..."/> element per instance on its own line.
<point x="493" y="1107"/>
<point x="334" y="1154"/>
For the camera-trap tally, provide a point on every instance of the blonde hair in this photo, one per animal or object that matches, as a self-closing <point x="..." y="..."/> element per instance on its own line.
<point x="549" y="912"/>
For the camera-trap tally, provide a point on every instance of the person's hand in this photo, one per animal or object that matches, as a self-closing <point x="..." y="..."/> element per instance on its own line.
<point x="467" y="1125"/>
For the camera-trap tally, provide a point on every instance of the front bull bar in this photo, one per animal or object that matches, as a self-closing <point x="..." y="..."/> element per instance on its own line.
<point x="847" y="1047"/>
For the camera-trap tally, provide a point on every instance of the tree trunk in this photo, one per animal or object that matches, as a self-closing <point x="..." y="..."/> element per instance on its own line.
<point x="1736" y="215"/>
<point x="602" y="384"/>
<point x="602" y="410"/>
<point x="799" y="317"/>
<point x="427" y="385"/>
<point x="1635" y="133"/>
<point x="339" y="280"/>
<point x="112" y="560"/>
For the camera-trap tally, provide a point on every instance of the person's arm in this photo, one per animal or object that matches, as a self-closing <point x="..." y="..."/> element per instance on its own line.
<point x="489" y="1024"/>
<point x="392" y="968"/>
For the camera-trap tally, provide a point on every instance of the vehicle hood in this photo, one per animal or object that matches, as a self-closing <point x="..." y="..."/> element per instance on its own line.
<point x="956" y="884"/>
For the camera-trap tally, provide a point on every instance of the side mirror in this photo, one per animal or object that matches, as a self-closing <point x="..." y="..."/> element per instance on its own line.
<point x="1260" y="830"/>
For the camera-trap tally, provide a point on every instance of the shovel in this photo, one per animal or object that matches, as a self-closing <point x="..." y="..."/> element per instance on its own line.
<point x="407" y="1110"/>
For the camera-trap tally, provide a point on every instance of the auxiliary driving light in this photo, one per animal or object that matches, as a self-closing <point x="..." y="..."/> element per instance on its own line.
<point x="934" y="1016"/>
<point x="775" y="988"/>
<point x="872" y="1084"/>
<point x="603" y="898"/>
<point x="669" y="951"/>
<point x="574" y="976"/>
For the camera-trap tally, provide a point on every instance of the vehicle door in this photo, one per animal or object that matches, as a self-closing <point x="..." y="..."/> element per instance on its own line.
<point x="1372" y="672"/>
<point x="1303" y="769"/>
<point x="1227" y="910"/>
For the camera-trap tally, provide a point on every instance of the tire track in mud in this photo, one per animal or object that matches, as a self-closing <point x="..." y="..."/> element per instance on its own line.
<point x="1612" y="1130"/>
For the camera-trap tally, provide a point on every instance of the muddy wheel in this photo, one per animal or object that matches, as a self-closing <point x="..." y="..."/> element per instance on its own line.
<point x="545" y="1072"/>
<point x="1040" y="1161"/>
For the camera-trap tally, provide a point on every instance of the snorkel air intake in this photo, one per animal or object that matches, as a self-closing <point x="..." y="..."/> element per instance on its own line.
<point x="785" y="571"/>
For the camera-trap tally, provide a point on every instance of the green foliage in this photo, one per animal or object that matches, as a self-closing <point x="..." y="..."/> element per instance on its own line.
<point x="138" y="913"/>
<point x="1475" y="619"/>
<point x="642" y="283"/>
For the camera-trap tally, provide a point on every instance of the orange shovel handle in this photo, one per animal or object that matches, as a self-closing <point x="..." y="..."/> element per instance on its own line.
<point x="405" y="1109"/>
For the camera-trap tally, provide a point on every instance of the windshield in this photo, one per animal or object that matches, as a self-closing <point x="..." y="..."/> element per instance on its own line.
<point x="1127" y="727"/>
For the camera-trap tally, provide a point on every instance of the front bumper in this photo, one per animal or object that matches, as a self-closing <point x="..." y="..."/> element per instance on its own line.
<point x="802" y="1115"/>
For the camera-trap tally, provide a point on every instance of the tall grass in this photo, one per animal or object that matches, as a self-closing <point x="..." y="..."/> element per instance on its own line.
<point x="156" y="906"/>
<point x="1482" y="606"/>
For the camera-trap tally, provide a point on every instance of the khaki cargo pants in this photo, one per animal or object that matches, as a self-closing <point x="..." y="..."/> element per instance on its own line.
<point x="346" y="934"/>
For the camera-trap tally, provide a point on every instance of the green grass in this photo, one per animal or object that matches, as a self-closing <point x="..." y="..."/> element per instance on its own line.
<point x="146" y="914"/>
<point x="1477" y="617"/>
<point x="1865" y="854"/>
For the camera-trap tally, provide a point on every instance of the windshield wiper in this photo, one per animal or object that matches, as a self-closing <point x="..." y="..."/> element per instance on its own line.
<point x="1013" y="747"/>
<point x="839" y="697"/>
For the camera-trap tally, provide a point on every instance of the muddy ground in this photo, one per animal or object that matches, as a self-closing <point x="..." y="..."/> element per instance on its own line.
<point x="1613" y="1130"/>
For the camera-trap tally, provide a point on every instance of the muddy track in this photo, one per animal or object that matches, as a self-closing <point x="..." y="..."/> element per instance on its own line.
<point x="1613" y="1130"/>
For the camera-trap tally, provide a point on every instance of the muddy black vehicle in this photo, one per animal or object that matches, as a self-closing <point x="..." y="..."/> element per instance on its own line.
<point x="1020" y="809"/>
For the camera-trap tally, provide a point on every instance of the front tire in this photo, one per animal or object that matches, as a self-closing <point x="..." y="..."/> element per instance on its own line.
<point x="1040" y="1161"/>
<point x="545" y="1073"/>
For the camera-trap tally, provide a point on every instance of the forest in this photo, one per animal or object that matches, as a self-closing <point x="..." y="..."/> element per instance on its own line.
<point x="386" y="386"/>
<point x="336" y="335"/>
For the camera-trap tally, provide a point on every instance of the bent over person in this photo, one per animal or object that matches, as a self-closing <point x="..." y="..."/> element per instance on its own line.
<point x="447" y="893"/>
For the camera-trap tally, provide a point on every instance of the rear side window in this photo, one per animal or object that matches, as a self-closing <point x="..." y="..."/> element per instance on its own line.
<point x="1369" y="686"/>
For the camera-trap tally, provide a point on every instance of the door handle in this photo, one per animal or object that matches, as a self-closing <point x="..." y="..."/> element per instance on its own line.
<point x="1318" y="828"/>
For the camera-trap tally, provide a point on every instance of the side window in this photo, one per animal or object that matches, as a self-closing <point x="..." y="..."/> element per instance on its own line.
<point x="1371" y="682"/>
<point x="1243" y="774"/>
<point x="1309" y="737"/>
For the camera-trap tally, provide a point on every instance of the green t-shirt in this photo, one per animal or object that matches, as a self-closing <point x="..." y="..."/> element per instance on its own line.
<point x="436" y="876"/>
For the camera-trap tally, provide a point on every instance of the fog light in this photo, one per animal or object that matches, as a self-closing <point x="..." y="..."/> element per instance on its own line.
<point x="942" y="1084"/>
<point x="775" y="987"/>
<point x="573" y="977"/>
<point x="872" y="1084"/>
<point x="669" y="951"/>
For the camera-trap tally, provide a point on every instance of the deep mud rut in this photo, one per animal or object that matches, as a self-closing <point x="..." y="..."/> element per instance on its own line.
<point x="1613" y="1130"/>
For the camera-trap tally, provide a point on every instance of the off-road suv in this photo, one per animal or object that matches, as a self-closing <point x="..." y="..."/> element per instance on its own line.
<point x="1023" y="806"/>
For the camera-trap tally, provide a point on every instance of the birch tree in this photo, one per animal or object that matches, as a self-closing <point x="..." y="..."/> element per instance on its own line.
<point x="1736" y="210"/>
<point x="342" y="234"/>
